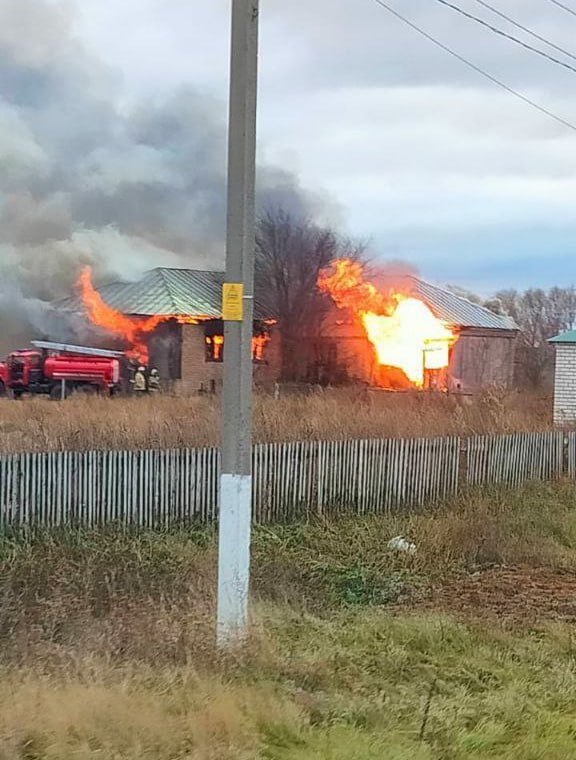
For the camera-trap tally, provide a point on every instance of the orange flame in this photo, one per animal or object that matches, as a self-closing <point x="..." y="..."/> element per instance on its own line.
<point x="215" y="344"/>
<point x="259" y="343"/>
<point x="130" y="329"/>
<point x="403" y="330"/>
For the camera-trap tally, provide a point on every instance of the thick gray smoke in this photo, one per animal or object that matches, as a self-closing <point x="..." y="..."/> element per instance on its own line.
<point x="85" y="179"/>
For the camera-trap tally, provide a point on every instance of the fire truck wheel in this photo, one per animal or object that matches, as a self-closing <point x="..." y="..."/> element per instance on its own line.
<point x="87" y="390"/>
<point x="2" y="389"/>
<point x="56" y="392"/>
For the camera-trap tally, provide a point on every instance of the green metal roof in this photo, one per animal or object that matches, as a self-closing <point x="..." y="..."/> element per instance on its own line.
<point x="165" y="292"/>
<point x="193" y="293"/>
<point x="178" y="292"/>
<point x="457" y="311"/>
<point x="566" y="337"/>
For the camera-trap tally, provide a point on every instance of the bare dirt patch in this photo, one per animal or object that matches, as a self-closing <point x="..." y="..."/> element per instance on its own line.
<point x="519" y="594"/>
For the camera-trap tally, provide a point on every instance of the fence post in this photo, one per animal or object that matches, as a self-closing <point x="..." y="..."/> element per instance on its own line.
<point x="464" y="444"/>
<point x="319" y="470"/>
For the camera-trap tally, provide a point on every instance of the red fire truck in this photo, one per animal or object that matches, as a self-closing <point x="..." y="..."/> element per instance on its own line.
<point x="58" y="369"/>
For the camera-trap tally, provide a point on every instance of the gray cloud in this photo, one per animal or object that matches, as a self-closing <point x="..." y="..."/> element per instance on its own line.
<point x="359" y="42"/>
<point x="429" y="159"/>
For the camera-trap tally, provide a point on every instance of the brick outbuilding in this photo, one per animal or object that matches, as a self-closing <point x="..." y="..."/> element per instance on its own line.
<point x="187" y="348"/>
<point x="565" y="378"/>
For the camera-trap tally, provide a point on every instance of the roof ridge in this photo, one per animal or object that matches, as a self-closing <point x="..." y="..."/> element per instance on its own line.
<point x="186" y="269"/>
<point x="168" y="286"/>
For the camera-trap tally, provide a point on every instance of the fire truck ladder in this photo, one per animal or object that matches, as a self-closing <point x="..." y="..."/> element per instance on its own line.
<point x="82" y="350"/>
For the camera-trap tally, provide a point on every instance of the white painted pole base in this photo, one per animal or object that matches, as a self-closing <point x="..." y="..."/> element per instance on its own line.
<point x="234" y="559"/>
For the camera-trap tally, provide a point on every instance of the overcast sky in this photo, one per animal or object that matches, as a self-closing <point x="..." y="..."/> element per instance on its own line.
<point x="431" y="162"/>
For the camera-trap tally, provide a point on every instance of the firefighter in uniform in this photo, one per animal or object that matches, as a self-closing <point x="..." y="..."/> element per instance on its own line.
<point x="154" y="382"/>
<point x="139" y="382"/>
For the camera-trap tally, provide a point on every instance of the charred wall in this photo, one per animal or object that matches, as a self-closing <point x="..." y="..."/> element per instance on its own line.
<point x="165" y="347"/>
<point x="337" y="353"/>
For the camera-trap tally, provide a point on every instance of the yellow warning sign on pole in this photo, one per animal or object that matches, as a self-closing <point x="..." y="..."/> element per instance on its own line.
<point x="233" y="301"/>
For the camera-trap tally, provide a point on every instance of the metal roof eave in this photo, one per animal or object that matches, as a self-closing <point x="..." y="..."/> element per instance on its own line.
<point x="565" y="338"/>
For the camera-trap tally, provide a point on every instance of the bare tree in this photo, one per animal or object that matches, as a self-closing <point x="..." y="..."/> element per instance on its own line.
<point x="562" y="309"/>
<point x="290" y="254"/>
<point x="508" y="301"/>
<point x="540" y="315"/>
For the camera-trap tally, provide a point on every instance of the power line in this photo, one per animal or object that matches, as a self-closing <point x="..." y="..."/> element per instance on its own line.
<point x="526" y="29"/>
<point x="507" y="36"/>
<point x="474" y="67"/>
<point x="564" y="7"/>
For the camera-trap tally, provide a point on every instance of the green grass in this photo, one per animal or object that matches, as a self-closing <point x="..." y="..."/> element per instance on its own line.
<point x="107" y="643"/>
<point x="367" y="678"/>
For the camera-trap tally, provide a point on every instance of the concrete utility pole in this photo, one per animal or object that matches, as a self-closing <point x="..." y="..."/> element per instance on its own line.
<point x="238" y="313"/>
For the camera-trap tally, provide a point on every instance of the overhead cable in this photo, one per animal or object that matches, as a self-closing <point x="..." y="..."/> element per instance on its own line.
<point x="564" y="7"/>
<point x="507" y="36"/>
<point x="474" y="67"/>
<point x="525" y="29"/>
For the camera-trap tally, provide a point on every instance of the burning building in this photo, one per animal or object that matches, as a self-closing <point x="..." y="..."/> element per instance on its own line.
<point x="171" y="319"/>
<point x="395" y="332"/>
<point x="401" y="333"/>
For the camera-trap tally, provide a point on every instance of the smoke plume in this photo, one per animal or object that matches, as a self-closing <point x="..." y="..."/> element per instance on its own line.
<point x="84" y="179"/>
<point x="392" y="276"/>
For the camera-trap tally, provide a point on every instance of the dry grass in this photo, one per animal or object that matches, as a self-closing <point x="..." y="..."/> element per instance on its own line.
<point x="92" y="423"/>
<point x="166" y="714"/>
<point x="106" y="644"/>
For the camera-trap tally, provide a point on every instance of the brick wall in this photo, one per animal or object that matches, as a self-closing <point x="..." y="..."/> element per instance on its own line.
<point x="198" y="374"/>
<point x="565" y="384"/>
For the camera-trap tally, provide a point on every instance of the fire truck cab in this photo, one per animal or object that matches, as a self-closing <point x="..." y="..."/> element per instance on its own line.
<point x="58" y="370"/>
<point x="3" y="378"/>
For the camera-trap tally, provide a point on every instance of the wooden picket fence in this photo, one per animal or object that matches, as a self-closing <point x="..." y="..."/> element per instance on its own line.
<point x="291" y="480"/>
